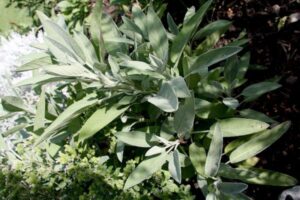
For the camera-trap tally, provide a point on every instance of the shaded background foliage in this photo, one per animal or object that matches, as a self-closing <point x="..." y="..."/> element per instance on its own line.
<point x="277" y="49"/>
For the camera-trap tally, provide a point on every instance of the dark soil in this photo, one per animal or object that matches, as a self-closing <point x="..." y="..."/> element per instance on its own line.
<point x="279" y="51"/>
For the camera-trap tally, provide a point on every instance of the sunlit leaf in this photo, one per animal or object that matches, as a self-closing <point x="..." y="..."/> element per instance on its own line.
<point x="198" y="157"/>
<point x="214" y="154"/>
<point x="71" y="112"/>
<point x="145" y="170"/>
<point x="166" y="99"/>
<point x="233" y="127"/>
<point x="180" y="87"/>
<point x="232" y="187"/>
<point x="212" y="57"/>
<point x="157" y="35"/>
<point x="174" y="166"/>
<point x="256" y="90"/>
<point x="99" y="119"/>
<point x="186" y="32"/>
<point x="184" y="117"/>
<point x="15" y="104"/>
<point x="258" y="143"/>
<point x="136" y="138"/>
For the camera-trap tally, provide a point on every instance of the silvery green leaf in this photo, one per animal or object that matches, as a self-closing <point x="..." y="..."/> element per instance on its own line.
<point x="145" y="170"/>
<point x="256" y="176"/>
<point x="140" y="19"/>
<point x="179" y="86"/>
<point x="136" y="138"/>
<point x="59" y="35"/>
<point x="109" y="31"/>
<point x="252" y="114"/>
<point x="120" y="150"/>
<point x="15" y="104"/>
<point x="131" y="26"/>
<point x="202" y="183"/>
<point x="119" y="40"/>
<point x="69" y="113"/>
<point x="34" y="61"/>
<point x="166" y="99"/>
<point x="163" y="140"/>
<point x="186" y="32"/>
<point x="138" y="65"/>
<point x="74" y="70"/>
<point x="87" y="47"/>
<point x="172" y="25"/>
<point x="155" y="150"/>
<point x="197" y="157"/>
<point x="231" y="70"/>
<point x="243" y="65"/>
<point x="237" y="142"/>
<point x="212" y="57"/>
<point x="211" y="28"/>
<point x="231" y="187"/>
<point x="40" y="79"/>
<point x="256" y="90"/>
<point x="114" y="66"/>
<point x="228" y="172"/>
<point x="60" y="52"/>
<point x="233" y="127"/>
<point x="157" y="35"/>
<point x="99" y="119"/>
<point x="214" y="154"/>
<point x="184" y="117"/>
<point x="156" y="62"/>
<point x="174" y="166"/>
<point x="95" y="29"/>
<point x="259" y="143"/>
<point x="231" y="102"/>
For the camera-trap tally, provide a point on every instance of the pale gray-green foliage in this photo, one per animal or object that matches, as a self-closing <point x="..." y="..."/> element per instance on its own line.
<point x="154" y="97"/>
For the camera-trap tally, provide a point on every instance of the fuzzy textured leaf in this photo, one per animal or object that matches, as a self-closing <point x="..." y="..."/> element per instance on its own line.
<point x="145" y="170"/>
<point x="258" y="143"/>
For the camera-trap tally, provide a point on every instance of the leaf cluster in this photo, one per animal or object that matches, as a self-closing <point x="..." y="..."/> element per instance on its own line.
<point x="165" y="97"/>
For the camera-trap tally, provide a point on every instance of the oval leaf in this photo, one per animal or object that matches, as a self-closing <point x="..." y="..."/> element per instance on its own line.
<point x="70" y="113"/>
<point x="136" y="138"/>
<point x="174" y="166"/>
<point x="212" y="57"/>
<point x="99" y="120"/>
<point x="184" y="117"/>
<point x="197" y="157"/>
<point x="155" y="150"/>
<point x="214" y="154"/>
<point x="258" y="143"/>
<point x="232" y="188"/>
<point x="233" y="127"/>
<point x="14" y="104"/>
<point x="186" y="32"/>
<point x="157" y="35"/>
<point x="166" y="99"/>
<point x="145" y="170"/>
<point x="179" y="86"/>
<point x="262" y="177"/>
<point x="254" y="91"/>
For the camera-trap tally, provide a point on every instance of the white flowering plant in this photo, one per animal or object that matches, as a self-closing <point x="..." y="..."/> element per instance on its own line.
<point x="168" y="98"/>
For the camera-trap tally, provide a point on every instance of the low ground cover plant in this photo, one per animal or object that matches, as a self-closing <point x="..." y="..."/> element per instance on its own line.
<point x="163" y="111"/>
